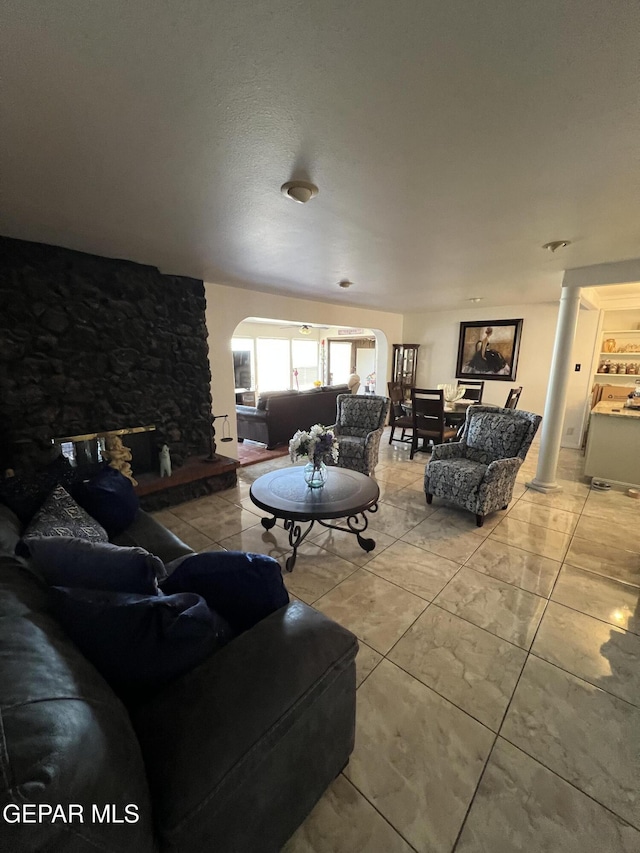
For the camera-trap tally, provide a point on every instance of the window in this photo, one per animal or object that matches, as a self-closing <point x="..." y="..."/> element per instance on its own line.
<point x="274" y="372"/>
<point x="340" y="367"/>
<point x="304" y="360"/>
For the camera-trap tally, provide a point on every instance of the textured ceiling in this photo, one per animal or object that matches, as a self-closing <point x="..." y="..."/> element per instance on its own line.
<point x="449" y="140"/>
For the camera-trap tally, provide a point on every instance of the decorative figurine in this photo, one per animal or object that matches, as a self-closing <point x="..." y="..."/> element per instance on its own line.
<point x="354" y="383"/>
<point x="165" y="461"/>
<point x="118" y="456"/>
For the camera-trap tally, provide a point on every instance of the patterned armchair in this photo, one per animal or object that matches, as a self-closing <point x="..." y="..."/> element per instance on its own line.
<point x="479" y="472"/>
<point x="360" y="423"/>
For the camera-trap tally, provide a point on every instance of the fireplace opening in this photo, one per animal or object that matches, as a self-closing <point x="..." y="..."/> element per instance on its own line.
<point x="86" y="451"/>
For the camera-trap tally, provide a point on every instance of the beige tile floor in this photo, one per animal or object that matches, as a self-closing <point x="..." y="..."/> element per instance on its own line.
<point x="499" y="668"/>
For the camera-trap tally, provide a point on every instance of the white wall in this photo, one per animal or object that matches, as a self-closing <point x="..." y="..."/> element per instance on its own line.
<point x="229" y="306"/>
<point x="438" y="332"/>
<point x="621" y="320"/>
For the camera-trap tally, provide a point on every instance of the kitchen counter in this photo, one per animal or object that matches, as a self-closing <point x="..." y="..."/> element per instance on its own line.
<point x="616" y="410"/>
<point x="613" y="444"/>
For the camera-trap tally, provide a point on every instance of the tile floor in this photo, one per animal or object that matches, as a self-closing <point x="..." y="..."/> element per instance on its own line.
<point x="499" y="668"/>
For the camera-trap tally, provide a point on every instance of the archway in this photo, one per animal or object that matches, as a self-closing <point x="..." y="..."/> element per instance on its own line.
<point x="272" y="356"/>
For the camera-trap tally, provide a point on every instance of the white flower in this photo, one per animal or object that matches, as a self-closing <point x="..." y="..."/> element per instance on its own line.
<point x="319" y="444"/>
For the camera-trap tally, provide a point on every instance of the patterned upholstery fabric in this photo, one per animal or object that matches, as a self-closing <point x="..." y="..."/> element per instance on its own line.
<point x="360" y="423"/>
<point x="359" y="415"/>
<point x="479" y="472"/>
<point x="60" y="515"/>
<point x="460" y="482"/>
<point x="491" y="436"/>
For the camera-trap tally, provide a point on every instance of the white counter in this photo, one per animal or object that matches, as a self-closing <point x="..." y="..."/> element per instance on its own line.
<point x="613" y="444"/>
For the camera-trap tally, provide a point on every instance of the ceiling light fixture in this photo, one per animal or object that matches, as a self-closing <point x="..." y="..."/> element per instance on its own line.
<point x="305" y="330"/>
<point x="345" y="283"/>
<point x="556" y="244"/>
<point x="475" y="299"/>
<point x="300" y="191"/>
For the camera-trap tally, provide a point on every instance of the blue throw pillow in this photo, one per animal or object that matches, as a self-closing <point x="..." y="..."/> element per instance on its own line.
<point x="65" y="561"/>
<point x="110" y="498"/>
<point x="243" y="588"/>
<point x="60" y="515"/>
<point x="140" y="642"/>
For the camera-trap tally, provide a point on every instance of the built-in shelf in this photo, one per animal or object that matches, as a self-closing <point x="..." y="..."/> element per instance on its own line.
<point x="622" y="338"/>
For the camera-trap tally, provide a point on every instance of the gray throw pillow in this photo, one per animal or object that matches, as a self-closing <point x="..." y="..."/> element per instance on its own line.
<point x="60" y="515"/>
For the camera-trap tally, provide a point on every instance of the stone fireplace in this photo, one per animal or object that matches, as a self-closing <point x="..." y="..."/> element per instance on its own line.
<point x="91" y="345"/>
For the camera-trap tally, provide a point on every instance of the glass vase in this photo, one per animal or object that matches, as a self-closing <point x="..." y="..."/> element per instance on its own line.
<point x="315" y="474"/>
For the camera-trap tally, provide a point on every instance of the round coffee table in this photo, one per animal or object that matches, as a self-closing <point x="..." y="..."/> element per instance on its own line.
<point x="346" y="494"/>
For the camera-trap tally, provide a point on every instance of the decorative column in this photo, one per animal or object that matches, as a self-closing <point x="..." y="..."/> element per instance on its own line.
<point x="545" y="479"/>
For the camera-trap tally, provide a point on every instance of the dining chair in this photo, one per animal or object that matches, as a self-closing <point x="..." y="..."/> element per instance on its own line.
<point x="475" y="389"/>
<point x="398" y="418"/>
<point x="428" y="423"/>
<point x="513" y="397"/>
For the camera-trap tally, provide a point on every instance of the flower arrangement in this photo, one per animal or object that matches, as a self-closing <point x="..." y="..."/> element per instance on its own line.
<point x="452" y="393"/>
<point x="319" y="445"/>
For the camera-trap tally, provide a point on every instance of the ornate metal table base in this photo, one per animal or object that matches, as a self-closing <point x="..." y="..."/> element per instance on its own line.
<point x="356" y="524"/>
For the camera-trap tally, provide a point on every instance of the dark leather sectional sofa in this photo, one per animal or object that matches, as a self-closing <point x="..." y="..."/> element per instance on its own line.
<point x="231" y="756"/>
<point x="278" y="414"/>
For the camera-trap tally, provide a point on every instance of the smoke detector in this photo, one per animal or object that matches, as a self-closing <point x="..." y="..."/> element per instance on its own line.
<point x="300" y="191"/>
<point x="556" y="244"/>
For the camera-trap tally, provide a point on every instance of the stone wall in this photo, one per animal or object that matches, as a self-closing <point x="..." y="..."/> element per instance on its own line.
<point x="90" y="344"/>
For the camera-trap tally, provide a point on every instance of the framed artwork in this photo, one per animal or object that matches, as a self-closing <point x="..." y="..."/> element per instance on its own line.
<point x="488" y="349"/>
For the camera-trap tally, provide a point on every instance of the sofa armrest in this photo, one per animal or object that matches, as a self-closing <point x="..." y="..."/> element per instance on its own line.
<point x="453" y="450"/>
<point x="147" y="533"/>
<point x="503" y="470"/>
<point x="258" y="729"/>
<point x="251" y="413"/>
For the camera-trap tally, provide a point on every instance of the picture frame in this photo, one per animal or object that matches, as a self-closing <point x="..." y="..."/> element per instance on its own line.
<point x="488" y="349"/>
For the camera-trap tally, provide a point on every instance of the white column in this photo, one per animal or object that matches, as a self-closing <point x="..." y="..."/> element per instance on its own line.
<point x="545" y="479"/>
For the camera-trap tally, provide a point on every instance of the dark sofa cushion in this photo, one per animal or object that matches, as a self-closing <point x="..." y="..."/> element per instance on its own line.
<point x="66" y="738"/>
<point x="60" y="515"/>
<point x="244" y="588"/>
<point x="140" y="642"/>
<point x="66" y="561"/>
<point x="263" y="399"/>
<point x="108" y="497"/>
<point x="278" y="707"/>
<point x="10" y="530"/>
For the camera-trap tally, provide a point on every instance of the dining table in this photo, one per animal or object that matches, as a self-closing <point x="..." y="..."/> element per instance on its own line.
<point x="455" y="413"/>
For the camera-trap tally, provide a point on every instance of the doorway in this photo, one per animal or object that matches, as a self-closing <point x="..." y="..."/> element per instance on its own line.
<point x="352" y="355"/>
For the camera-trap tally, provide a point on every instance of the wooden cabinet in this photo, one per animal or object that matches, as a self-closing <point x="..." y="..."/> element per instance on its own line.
<point x="405" y="365"/>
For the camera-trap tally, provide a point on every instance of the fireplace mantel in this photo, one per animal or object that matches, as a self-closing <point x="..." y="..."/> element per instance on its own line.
<point x="91" y="436"/>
